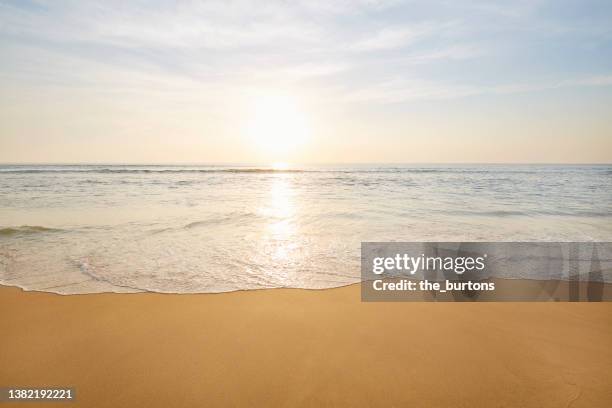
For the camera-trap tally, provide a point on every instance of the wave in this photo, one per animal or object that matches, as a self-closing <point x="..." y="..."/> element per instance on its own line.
<point x="26" y="229"/>
<point x="529" y="213"/>
<point x="228" y="219"/>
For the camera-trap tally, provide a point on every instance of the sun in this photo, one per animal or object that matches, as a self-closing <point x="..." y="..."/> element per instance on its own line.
<point x="276" y="125"/>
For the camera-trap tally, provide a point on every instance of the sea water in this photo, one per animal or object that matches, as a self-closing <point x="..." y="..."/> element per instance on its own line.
<point x="82" y="229"/>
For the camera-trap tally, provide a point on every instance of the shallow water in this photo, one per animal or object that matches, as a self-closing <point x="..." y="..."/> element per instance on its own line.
<point x="80" y="229"/>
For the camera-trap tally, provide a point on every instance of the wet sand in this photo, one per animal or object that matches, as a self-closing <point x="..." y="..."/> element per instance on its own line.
<point x="291" y="347"/>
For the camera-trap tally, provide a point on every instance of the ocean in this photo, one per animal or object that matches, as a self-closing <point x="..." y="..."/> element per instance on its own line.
<point x="198" y="229"/>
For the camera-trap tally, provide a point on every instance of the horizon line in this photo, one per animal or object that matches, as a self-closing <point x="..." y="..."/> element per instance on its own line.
<point x="293" y="164"/>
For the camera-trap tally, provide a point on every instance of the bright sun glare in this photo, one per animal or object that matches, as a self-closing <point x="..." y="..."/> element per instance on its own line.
<point x="276" y="125"/>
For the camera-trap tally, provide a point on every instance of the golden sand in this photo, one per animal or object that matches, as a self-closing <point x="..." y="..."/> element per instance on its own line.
<point x="291" y="347"/>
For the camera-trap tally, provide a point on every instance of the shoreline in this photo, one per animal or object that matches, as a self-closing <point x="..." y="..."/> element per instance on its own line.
<point x="295" y="347"/>
<point x="521" y="284"/>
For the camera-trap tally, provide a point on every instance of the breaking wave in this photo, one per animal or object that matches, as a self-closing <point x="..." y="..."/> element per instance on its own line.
<point x="26" y="229"/>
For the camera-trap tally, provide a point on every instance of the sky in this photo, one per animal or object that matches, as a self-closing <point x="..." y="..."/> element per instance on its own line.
<point x="311" y="81"/>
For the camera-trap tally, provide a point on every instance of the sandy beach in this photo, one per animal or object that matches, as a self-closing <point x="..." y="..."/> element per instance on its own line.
<point x="291" y="347"/>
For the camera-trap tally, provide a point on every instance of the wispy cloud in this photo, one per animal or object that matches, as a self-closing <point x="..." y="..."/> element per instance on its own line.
<point x="454" y="52"/>
<point x="393" y="37"/>
<point x="402" y="90"/>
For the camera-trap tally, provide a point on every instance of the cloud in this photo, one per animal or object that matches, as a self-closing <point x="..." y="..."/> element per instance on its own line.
<point x="407" y="90"/>
<point x="455" y="52"/>
<point x="388" y="38"/>
<point x="411" y="90"/>
<point x="215" y="24"/>
<point x="598" y="80"/>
